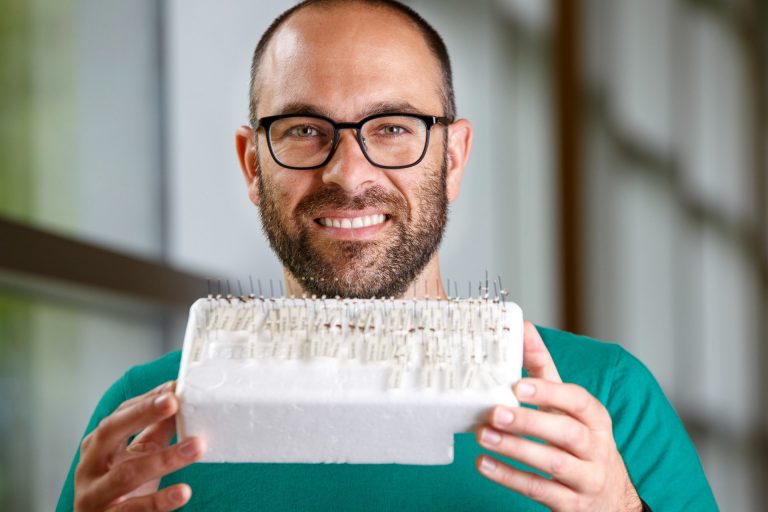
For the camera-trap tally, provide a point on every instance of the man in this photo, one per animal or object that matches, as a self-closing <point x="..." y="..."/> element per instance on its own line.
<point x="352" y="157"/>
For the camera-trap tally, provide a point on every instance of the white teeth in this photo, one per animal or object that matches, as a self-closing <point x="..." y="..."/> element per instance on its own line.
<point x="356" y="222"/>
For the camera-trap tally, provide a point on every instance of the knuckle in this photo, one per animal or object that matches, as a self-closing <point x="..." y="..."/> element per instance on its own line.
<point x="581" y="504"/>
<point x="123" y="474"/>
<point x="535" y="489"/>
<point x="134" y="506"/>
<point x="607" y="420"/>
<point x="524" y="421"/>
<point x="582" y="400"/>
<point x="160" y="501"/>
<point x="575" y="436"/>
<point x="86" y="442"/>
<point x="168" y="459"/>
<point x="104" y="426"/>
<point x="79" y="472"/>
<point x="558" y="465"/>
<point x="82" y="502"/>
<point x="596" y="483"/>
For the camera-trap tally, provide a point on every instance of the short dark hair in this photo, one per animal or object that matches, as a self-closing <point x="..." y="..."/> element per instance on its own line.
<point x="431" y="37"/>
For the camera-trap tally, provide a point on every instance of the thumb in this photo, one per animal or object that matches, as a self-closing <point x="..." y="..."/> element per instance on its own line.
<point x="536" y="358"/>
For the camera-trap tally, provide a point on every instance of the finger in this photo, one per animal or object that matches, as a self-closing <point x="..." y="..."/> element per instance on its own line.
<point x="562" y="466"/>
<point x="557" y="429"/>
<point x="536" y="358"/>
<point x="568" y="398"/>
<point x="550" y="493"/>
<point x="110" y="436"/>
<point x="129" y="474"/>
<point x="169" y="386"/>
<point x="155" y="436"/>
<point x="165" y="387"/>
<point x="170" y="498"/>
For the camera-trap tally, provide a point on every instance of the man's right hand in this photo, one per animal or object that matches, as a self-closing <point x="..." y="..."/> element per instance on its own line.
<point x="115" y="476"/>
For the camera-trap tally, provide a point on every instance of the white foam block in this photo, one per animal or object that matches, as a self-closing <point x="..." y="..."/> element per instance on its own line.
<point x="354" y="381"/>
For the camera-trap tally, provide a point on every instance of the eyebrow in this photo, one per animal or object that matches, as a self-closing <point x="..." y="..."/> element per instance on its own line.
<point x="385" y="107"/>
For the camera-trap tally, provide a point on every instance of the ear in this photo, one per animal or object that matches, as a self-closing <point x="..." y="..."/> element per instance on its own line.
<point x="245" y="145"/>
<point x="459" y="146"/>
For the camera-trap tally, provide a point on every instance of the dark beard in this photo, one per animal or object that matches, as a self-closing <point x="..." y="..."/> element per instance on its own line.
<point x="380" y="268"/>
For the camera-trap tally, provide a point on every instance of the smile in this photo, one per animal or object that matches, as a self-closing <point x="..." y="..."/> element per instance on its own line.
<point x="352" y="222"/>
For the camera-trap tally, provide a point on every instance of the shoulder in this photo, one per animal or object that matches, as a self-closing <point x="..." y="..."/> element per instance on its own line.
<point x="594" y="364"/>
<point x="658" y="453"/>
<point x="142" y="378"/>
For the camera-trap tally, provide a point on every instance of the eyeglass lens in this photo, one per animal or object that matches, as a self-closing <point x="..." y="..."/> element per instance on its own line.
<point x="388" y="141"/>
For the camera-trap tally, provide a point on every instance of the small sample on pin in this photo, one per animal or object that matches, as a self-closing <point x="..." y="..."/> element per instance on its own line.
<point x="344" y="380"/>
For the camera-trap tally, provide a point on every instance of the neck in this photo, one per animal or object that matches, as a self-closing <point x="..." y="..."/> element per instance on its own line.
<point x="428" y="284"/>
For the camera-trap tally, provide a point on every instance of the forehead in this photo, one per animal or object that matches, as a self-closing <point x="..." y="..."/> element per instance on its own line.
<point x="343" y="59"/>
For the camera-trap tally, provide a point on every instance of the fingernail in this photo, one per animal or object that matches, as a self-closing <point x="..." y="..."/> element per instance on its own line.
<point x="490" y="437"/>
<point x="176" y="496"/>
<point x="525" y="390"/>
<point x="189" y="448"/>
<point x="162" y="400"/>
<point x="488" y="465"/>
<point x="503" y="416"/>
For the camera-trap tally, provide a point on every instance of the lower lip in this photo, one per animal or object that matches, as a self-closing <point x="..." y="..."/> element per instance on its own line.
<point x="353" y="233"/>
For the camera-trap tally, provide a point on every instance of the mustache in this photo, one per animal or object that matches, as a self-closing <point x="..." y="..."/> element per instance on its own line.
<point x="336" y="198"/>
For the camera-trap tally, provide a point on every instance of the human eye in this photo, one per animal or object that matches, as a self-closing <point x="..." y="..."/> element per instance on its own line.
<point x="393" y="130"/>
<point x="303" y="131"/>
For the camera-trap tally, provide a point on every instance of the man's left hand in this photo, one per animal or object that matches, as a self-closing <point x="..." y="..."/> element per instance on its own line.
<point x="579" y="452"/>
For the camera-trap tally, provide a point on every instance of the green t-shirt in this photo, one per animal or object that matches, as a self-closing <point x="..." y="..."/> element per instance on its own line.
<point x="660" y="457"/>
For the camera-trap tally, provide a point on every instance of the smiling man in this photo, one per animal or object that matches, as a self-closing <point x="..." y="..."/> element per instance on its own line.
<point x="352" y="157"/>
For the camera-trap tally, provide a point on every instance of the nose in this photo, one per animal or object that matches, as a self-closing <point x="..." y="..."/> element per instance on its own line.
<point x="349" y="169"/>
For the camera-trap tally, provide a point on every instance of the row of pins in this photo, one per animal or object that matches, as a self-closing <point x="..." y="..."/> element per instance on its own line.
<point x="486" y="290"/>
<point x="448" y="343"/>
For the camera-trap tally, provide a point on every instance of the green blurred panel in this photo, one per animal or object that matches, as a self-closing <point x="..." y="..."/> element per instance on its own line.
<point x="15" y="321"/>
<point x="80" y="119"/>
<point x="56" y="360"/>
<point x="15" y="109"/>
<point x="37" y="105"/>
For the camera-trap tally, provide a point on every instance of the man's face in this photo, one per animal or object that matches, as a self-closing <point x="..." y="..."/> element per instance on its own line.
<point x="348" y="62"/>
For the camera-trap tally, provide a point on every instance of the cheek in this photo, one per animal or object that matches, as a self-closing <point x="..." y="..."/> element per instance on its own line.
<point x="289" y="189"/>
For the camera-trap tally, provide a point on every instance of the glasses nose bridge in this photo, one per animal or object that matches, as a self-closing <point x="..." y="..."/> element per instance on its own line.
<point x="357" y="128"/>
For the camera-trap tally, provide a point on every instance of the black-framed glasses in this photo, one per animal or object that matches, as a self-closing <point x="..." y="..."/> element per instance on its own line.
<point x="389" y="141"/>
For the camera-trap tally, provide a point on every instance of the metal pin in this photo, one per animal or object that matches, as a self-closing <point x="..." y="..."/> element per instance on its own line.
<point x="271" y="289"/>
<point x="502" y="291"/>
<point x="280" y="282"/>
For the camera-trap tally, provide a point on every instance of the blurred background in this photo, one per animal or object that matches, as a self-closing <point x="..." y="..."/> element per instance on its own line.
<point x="618" y="184"/>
